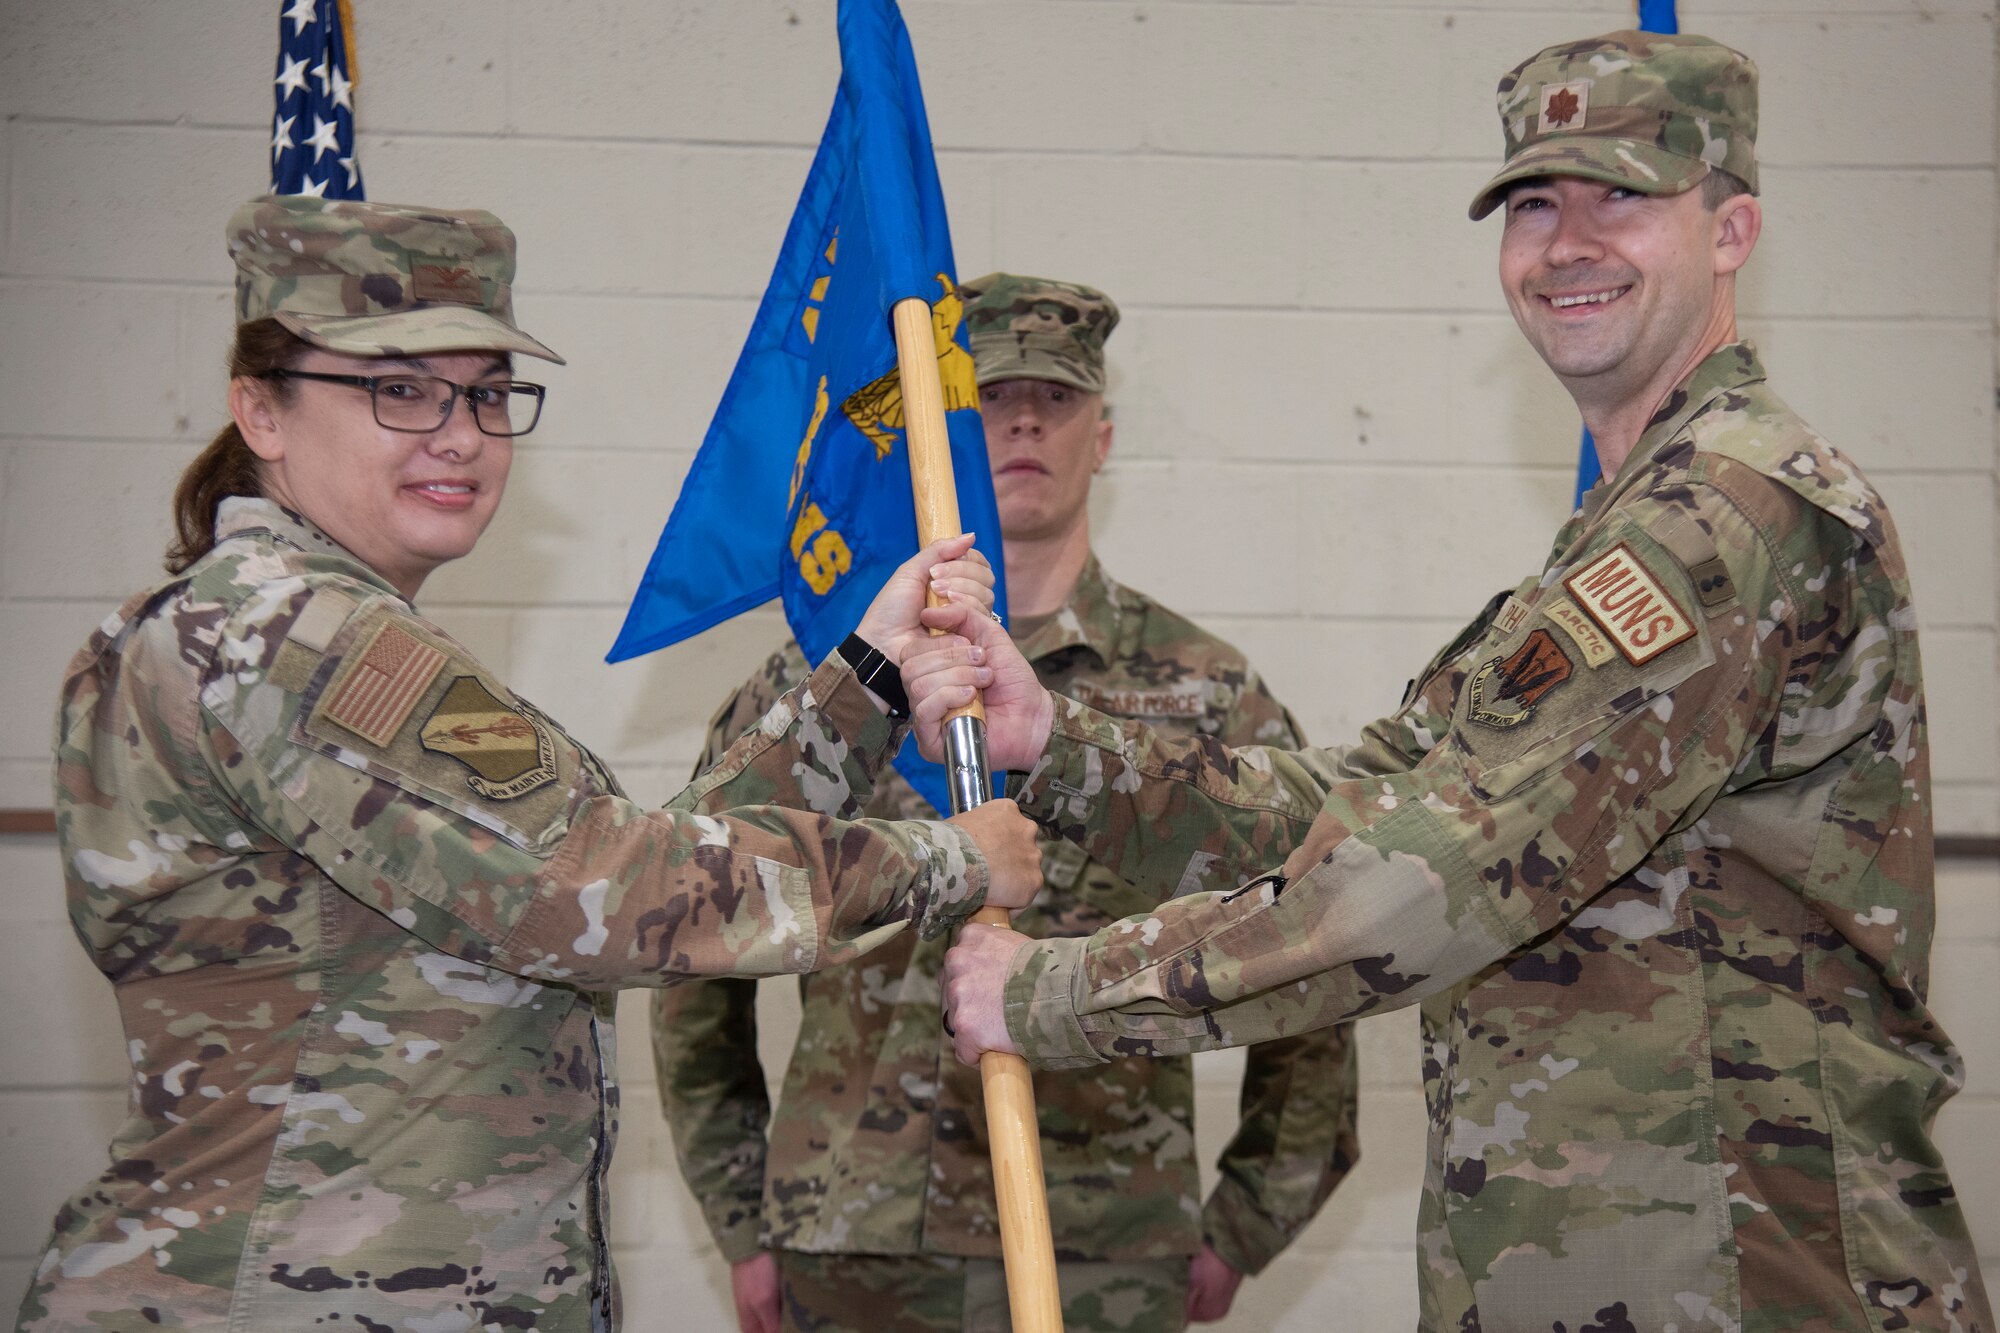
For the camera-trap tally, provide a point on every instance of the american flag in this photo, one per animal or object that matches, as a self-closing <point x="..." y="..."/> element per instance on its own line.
<point x="312" y="134"/>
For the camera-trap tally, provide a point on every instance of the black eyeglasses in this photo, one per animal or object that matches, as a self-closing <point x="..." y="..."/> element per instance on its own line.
<point x="420" y="404"/>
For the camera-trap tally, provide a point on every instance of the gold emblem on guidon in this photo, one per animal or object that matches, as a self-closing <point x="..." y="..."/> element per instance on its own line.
<point x="876" y="408"/>
<point x="509" y="753"/>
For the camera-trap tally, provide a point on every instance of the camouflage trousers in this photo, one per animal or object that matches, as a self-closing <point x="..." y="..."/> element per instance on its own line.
<point x="934" y="1293"/>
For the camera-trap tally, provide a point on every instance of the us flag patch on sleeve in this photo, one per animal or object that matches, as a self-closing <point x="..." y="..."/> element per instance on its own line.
<point x="1623" y="597"/>
<point x="378" y="694"/>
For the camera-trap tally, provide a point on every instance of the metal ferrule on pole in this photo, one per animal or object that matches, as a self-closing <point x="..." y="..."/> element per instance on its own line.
<point x="970" y="776"/>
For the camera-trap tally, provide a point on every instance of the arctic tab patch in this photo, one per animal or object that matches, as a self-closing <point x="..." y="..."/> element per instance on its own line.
<point x="377" y="694"/>
<point x="1628" y="603"/>
<point x="1580" y="630"/>
<point x="1506" y="691"/>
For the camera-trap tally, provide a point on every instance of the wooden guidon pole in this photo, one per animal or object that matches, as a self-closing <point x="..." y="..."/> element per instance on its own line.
<point x="1025" y="1240"/>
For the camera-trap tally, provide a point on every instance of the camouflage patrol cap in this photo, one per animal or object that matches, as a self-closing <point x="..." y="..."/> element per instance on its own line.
<point x="1650" y="111"/>
<point x="378" y="279"/>
<point x="1038" y="329"/>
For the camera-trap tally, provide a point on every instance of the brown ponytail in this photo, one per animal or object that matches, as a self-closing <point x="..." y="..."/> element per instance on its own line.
<point x="227" y="467"/>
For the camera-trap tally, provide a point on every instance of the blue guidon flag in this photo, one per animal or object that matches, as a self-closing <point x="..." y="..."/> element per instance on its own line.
<point x="801" y="489"/>
<point x="312" y="132"/>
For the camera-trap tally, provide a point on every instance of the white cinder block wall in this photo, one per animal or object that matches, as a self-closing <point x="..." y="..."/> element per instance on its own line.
<point x="1331" y="442"/>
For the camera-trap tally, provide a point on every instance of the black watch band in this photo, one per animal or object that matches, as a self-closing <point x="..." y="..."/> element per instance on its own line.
<point x="878" y="673"/>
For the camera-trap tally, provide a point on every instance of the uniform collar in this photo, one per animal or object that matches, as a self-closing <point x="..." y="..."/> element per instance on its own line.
<point x="1728" y="367"/>
<point x="242" y="515"/>
<point x="1091" y="618"/>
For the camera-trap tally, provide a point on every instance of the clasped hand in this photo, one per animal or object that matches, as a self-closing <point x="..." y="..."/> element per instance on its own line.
<point x="951" y="568"/>
<point x="943" y="672"/>
<point x="951" y="652"/>
<point x="898" y="624"/>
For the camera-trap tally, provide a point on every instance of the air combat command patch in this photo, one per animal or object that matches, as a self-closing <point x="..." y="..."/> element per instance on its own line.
<point x="509" y="753"/>
<point x="1506" y="691"/>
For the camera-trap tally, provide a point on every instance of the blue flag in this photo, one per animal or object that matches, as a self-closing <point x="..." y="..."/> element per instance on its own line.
<point x="1654" y="16"/>
<point x="312" y="131"/>
<point x="801" y="488"/>
<point x="1588" y="469"/>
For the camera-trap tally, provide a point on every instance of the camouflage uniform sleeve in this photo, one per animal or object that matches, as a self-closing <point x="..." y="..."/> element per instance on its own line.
<point x="1227" y="814"/>
<point x="1295" y="1137"/>
<point x="1565" y="763"/>
<point x="712" y="1087"/>
<point x="716" y="1103"/>
<point x="357" y="734"/>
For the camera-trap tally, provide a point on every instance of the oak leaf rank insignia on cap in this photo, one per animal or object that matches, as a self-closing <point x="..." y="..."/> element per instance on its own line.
<point x="1565" y="106"/>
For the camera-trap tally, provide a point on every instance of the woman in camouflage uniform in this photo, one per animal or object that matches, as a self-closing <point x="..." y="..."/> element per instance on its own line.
<point x="364" y="907"/>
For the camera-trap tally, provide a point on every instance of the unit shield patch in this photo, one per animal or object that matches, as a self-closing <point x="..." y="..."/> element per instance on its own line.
<point x="510" y="754"/>
<point x="1624" y="598"/>
<point x="1506" y="691"/>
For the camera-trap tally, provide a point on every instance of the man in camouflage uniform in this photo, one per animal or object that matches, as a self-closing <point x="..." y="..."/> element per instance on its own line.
<point x="873" y="1182"/>
<point x="1650" y="840"/>
<point x="363" y="907"/>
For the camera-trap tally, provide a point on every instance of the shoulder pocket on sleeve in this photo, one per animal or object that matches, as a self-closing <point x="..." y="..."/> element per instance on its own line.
<point x="399" y="702"/>
<point x="1620" y="629"/>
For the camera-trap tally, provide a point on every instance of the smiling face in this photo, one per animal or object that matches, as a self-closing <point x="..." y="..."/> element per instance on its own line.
<point x="404" y="503"/>
<point x="1043" y="440"/>
<point x="1617" y="289"/>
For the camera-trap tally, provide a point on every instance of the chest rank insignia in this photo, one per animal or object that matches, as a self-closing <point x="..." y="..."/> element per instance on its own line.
<point x="1623" y="597"/>
<point x="509" y="753"/>
<point x="1506" y="690"/>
